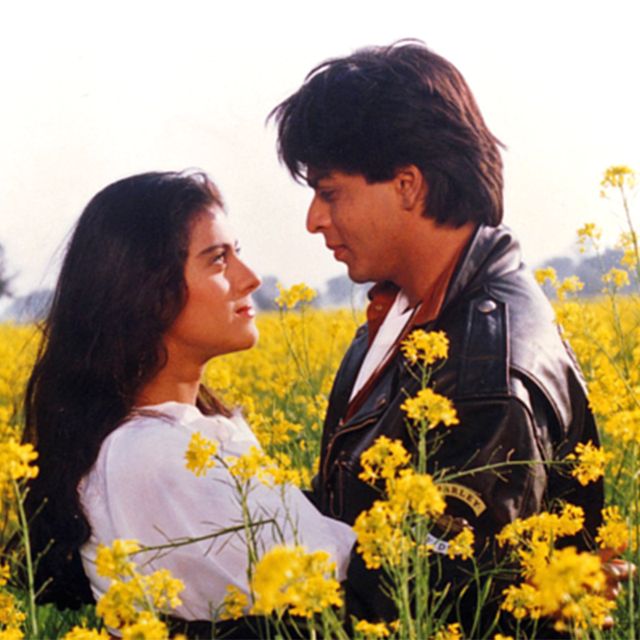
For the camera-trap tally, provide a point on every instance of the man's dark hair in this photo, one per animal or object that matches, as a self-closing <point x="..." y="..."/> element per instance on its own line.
<point x="384" y="108"/>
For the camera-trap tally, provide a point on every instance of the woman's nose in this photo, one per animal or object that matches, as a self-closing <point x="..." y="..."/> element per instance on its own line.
<point x="250" y="280"/>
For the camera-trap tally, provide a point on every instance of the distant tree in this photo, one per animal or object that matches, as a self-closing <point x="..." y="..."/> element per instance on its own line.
<point x="343" y="292"/>
<point x="589" y="270"/>
<point x="264" y="297"/>
<point x="4" y="278"/>
<point x="33" y="307"/>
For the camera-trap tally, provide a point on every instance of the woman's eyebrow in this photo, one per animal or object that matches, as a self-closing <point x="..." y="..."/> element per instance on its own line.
<point x="216" y="247"/>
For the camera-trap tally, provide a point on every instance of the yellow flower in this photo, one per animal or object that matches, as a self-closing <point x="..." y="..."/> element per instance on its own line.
<point x="200" y="454"/>
<point x="290" y="577"/>
<point x="618" y="176"/>
<point x="589" y="230"/>
<point x="415" y="493"/>
<point x="567" y="575"/>
<point x="546" y="273"/>
<point x="383" y="459"/>
<point x="613" y="533"/>
<point x="618" y="278"/>
<point x="450" y="632"/>
<point x="542" y="527"/>
<point x="521" y="601"/>
<point x="430" y="407"/>
<point x="15" y="464"/>
<point x="591" y="462"/>
<point x="572" y="284"/>
<point x="380" y="535"/>
<point x="113" y="562"/>
<point x="5" y="573"/>
<point x="10" y="614"/>
<point x="499" y="636"/>
<point x="11" y="633"/>
<point x="162" y="589"/>
<point x="462" y="544"/>
<point x="425" y="347"/>
<point x="371" y="630"/>
<point x="298" y="293"/>
<point x="146" y="627"/>
<point x="234" y="603"/>
<point x="131" y="592"/>
<point x="82" y="633"/>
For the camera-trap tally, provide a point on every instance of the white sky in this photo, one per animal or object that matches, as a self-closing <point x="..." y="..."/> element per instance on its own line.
<point x="94" y="91"/>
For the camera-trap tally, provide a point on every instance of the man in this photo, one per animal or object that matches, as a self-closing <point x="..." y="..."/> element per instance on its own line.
<point x="408" y="194"/>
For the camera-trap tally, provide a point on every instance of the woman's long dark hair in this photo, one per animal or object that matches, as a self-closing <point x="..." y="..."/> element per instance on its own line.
<point x="120" y="288"/>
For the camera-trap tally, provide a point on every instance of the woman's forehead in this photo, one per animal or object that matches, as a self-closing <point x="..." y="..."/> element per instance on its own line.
<point x="211" y="226"/>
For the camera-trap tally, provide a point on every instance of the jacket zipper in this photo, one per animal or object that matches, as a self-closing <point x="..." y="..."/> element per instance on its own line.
<point x="334" y="437"/>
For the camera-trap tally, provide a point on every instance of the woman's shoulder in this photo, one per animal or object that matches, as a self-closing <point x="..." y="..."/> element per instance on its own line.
<point x="160" y="434"/>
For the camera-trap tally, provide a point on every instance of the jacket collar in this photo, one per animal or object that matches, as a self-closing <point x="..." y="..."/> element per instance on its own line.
<point x="491" y="251"/>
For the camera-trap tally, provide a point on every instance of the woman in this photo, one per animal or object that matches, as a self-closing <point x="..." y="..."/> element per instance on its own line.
<point x="152" y="287"/>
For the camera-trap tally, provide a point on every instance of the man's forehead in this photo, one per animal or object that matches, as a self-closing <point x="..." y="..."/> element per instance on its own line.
<point x="315" y="174"/>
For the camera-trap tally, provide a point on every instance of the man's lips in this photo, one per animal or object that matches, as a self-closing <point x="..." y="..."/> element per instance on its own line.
<point x="339" y="250"/>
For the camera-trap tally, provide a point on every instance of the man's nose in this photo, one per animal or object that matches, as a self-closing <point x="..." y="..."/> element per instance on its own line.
<point x="318" y="216"/>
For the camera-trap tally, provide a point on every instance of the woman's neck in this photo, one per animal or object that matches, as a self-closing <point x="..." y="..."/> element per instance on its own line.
<point x="177" y="381"/>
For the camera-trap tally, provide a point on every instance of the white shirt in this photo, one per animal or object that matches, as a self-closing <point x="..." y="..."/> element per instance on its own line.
<point x="139" y="488"/>
<point x="395" y="321"/>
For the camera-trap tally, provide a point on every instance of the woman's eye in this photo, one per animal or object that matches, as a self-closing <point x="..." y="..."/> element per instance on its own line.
<point x="219" y="258"/>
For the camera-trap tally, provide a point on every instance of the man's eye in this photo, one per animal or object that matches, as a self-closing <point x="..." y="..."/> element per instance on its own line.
<point x="327" y="195"/>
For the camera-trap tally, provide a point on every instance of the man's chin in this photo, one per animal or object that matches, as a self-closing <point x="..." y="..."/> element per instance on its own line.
<point x="359" y="278"/>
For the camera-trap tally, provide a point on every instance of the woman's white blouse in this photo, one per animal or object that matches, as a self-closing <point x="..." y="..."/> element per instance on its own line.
<point x="139" y="488"/>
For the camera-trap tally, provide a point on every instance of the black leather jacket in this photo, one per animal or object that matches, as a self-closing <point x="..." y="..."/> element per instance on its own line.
<point x="516" y="387"/>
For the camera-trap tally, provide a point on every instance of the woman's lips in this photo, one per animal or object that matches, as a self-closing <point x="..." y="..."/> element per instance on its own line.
<point x="246" y="311"/>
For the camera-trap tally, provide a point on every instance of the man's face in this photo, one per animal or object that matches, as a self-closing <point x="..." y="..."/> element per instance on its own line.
<point x="361" y="223"/>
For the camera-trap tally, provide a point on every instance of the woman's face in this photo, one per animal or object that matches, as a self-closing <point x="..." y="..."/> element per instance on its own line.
<point x="218" y="316"/>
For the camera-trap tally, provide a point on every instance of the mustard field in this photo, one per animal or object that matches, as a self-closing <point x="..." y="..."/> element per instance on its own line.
<point x="282" y="387"/>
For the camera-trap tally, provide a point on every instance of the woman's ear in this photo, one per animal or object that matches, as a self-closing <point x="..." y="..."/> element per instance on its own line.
<point x="411" y="187"/>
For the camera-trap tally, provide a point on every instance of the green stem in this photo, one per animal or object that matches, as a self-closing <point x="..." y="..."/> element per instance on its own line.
<point x="24" y="528"/>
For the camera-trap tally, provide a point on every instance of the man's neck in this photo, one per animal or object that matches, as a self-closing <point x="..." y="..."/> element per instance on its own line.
<point x="432" y="253"/>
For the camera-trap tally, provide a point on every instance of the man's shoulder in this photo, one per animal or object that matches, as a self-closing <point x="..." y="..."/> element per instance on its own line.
<point x="504" y="332"/>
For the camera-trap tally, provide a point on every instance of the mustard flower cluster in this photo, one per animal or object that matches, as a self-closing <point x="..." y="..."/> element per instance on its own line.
<point x="80" y="632"/>
<point x="235" y="603"/>
<point x="16" y="463"/>
<point x="618" y="176"/>
<point x="425" y="347"/>
<point x="614" y="532"/>
<point x="385" y="532"/>
<point x="200" y="454"/>
<point x="11" y="615"/>
<point x="382" y="460"/>
<point x="293" y="579"/>
<point x="591" y="461"/>
<point x="563" y="584"/>
<point x="372" y="630"/>
<point x="298" y="293"/>
<point x="452" y="631"/>
<point x="134" y="601"/>
<point x="258" y="465"/>
<point x="430" y="408"/>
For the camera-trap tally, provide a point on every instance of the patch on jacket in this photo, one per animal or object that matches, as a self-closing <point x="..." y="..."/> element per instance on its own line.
<point x="470" y="497"/>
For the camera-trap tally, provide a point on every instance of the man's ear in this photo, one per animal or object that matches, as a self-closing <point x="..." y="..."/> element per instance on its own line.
<point x="411" y="187"/>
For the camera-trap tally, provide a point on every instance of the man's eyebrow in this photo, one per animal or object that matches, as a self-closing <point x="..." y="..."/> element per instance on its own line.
<point x="316" y="176"/>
